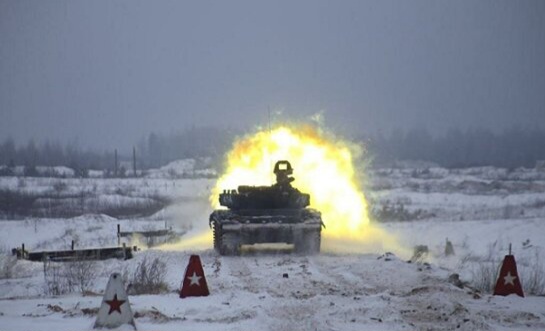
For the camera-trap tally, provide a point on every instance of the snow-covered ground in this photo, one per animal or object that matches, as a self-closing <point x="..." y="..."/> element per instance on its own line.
<point x="326" y="292"/>
<point x="481" y="211"/>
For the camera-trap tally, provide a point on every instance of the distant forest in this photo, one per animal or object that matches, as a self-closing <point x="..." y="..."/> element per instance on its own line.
<point x="153" y="151"/>
<point x="515" y="147"/>
<point x="512" y="148"/>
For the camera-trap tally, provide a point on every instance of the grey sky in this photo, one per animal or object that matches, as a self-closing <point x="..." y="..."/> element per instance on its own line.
<point x="105" y="73"/>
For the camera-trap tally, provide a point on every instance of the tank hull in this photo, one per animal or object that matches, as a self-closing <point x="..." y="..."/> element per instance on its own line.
<point x="234" y="228"/>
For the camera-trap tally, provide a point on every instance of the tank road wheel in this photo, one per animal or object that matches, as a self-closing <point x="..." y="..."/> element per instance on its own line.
<point x="230" y="244"/>
<point x="308" y="243"/>
<point x="217" y="236"/>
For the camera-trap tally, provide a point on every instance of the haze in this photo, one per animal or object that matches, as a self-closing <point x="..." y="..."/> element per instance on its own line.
<point x="106" y="73"/>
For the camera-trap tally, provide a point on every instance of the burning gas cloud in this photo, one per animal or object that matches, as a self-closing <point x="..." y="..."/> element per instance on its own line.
<point x="324" y="167"/>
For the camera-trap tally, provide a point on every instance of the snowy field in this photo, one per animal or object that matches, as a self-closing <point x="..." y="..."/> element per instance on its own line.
<point x="480" y="210"/>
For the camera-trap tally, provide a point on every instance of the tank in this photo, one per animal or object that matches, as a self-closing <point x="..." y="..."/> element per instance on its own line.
<point x="267" y="214"/>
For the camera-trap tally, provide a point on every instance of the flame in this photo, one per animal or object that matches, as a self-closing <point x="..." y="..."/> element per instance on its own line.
<point x="199" y="239"/>
<point x="324" y="168"/>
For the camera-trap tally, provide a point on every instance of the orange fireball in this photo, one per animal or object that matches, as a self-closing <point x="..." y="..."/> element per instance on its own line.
<point x="324" y="168"/>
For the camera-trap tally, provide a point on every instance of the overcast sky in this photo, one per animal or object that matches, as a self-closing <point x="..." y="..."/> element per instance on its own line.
<point x="105" y="73"/>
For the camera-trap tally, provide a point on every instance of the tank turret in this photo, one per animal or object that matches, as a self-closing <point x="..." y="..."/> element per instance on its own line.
<point x="281" y="195"/>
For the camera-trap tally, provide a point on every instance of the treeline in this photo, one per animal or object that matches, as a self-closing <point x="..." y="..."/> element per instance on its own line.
<point x="197" y="142"/>
<point x="515" y="147"/>
<point x="511" y="148"/>
<point x="153" y="151"/>
<point x="50" y="154"/>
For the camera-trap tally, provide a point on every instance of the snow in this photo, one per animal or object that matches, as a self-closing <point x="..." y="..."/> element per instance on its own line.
<point x="329" y="291"/>
<point x="187" y="168"/>
<point x="322" y="292"/>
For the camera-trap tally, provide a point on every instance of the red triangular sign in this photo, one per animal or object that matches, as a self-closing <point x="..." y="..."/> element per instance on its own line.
<point x="194" y="283"/>
<point x="508" y="280"/>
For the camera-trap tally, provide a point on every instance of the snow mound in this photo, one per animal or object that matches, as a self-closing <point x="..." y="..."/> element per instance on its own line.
<point x="186" y="168"/>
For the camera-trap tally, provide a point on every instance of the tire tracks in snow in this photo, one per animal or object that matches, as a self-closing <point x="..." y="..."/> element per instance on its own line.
<point x="332" y="278"/>
<point x="242" y="278"/>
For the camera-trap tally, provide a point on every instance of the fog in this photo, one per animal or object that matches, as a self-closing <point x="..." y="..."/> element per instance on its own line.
<point x="101" y="74"/>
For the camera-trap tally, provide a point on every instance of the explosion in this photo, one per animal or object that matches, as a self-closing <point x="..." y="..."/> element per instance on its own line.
<point x="324" y="168"/>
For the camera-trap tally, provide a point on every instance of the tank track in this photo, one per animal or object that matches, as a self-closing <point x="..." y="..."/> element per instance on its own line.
<point x="308" y="243"/>
<point x="225" y="243"/>
<point x="217" y="236"/>
<point x="232" y="229"/>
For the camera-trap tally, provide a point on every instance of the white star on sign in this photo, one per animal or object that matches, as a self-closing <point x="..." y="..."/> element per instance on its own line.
<point x="194" y="279"/>
<point x="509" y="279"/>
